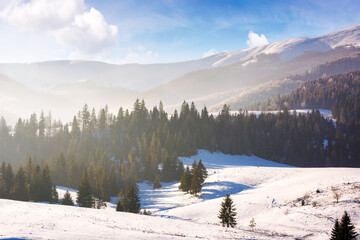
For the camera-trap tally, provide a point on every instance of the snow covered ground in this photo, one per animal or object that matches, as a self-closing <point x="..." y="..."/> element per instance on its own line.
<point x="271" y="193"/>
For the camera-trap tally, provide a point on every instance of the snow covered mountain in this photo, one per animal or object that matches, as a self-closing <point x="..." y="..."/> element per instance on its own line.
<point x="228" y="77"/>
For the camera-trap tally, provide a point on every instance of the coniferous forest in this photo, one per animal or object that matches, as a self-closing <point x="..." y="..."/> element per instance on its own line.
<point x="118" y="151"/>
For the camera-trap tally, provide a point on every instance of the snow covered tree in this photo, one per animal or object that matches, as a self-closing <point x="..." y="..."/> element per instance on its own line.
<point x="85" y="197"/>
<point x="157" y="184"/>
<point x="252" y="224"/>
<point x="227" y="212"/>
<point x="67" y="200"/>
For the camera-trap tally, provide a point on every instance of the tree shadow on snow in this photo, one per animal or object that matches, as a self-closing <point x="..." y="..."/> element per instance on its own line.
<point x="220" y="189"/>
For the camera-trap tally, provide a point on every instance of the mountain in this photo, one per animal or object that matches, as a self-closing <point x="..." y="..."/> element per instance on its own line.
<point x="238" y="78"/>
<point x="246" y="98"/>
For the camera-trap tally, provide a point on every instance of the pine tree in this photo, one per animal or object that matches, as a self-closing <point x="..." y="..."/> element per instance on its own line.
<point x="157" y="184"/>
<point x="185" y="180"/>
<point x="85" y="197"/>
<point x="202" y="172"/>
<point x="344" y="230"/>
<point x="8" y="177"/>
<point x="347" y="229"/>
<point x="55" y="194"/>
<point x="3" y="190"/>
<point x="133" y="199"/>
<point x="227" y="212"/>
<point x="67" y="200"/>
<point x="335" y="232"/>
<point x="195" y="186"/>
<point x="19" y="190"/>
<point x="46" y="185"/>
<point x="130" y="201"/>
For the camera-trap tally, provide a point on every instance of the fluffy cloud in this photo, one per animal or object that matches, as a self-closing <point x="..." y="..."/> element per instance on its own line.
<point x="256" y="40"/>
<point x="69" y="21"/>
<point x="88" y="32"/>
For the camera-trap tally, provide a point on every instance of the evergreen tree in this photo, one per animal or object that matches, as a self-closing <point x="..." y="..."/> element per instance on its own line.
<point x="195" y="186"/>
<point x="202" y="172"/>
<point x="55" y="194"/>
<point x="347" y="229"/>
<point x="185" y="180"/>
<point x="3" y="190"/>
<point x="19" y="190"/>
<point x="335" y="232"/>
<point x="8" y="177"/>
<point x="157" y="184"/>
<point x="227" y="212"/>
<point x="46" y="185"/>
<point x="85" y="197"/>
<point x="67" y="200"/>
<point x="130" y="201"/>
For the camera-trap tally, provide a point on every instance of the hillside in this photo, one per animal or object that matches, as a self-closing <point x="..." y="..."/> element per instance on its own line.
<point x="270" y="193"/>
<point x="245" y="97"/>
<point x="340" y="93"/>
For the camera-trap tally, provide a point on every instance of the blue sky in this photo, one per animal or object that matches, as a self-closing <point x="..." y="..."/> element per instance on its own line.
<point x="146" y="31"/>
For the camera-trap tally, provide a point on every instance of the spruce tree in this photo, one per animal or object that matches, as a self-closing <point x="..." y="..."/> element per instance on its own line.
<point x="46" y="185"/>
<point x="19" y="190"/>
<point x="347" y="229"/>
<point x="8" y="177"/>
<point x="133" y="199"/>
<point x="227" y="212"/>
<point x="67" y="200"/>
<point x="202" y="172"/>
<point x="195" y="186"/>
<point x="335" y="232"/>
<point x="157" y="184"/>
<point x="85" y="197"/>
<point x="185" y="180"/>
<point x="55" y="194"/>
<point x="3" y="190"/>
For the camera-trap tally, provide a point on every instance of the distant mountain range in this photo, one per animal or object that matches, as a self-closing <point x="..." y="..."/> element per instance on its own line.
<point x="238" y="78"/>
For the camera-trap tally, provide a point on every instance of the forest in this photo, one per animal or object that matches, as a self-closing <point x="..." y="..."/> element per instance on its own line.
<point x="121" y="150"/>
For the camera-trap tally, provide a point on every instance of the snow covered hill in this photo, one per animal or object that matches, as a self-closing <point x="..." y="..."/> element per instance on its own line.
<point x="271" y="193"/>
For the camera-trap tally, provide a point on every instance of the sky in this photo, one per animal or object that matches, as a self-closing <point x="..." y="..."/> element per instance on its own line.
<point x="158" y="31"/>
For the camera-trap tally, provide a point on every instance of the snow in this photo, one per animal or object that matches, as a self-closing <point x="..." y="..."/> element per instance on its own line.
<point x="269" y="192"/>
<point x="291" y="48"/>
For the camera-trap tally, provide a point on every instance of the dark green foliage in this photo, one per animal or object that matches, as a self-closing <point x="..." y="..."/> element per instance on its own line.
<point x="192" y="181"/>
<point x="335" y="232"/>
<point x="227" y="212"/>
<point x="129" y="201"/>
<point x="344" y="230"/>
<point x="85" y="197"/>
<point x="157" y="184"/>
<point x="46" y="187"/>
<point x="67" y="200"/>
<point x="19" y="190"/>
<point x="3" y="190"/>
<point x="185" y="180"/>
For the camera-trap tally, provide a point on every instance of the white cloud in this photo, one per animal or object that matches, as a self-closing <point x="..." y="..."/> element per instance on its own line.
<point x="70" y="21"/>
<point x="256" y="40"/>
<point x="209" y="53"/>
<point x="139" y="55"/>
<point x="88" y="32"/>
